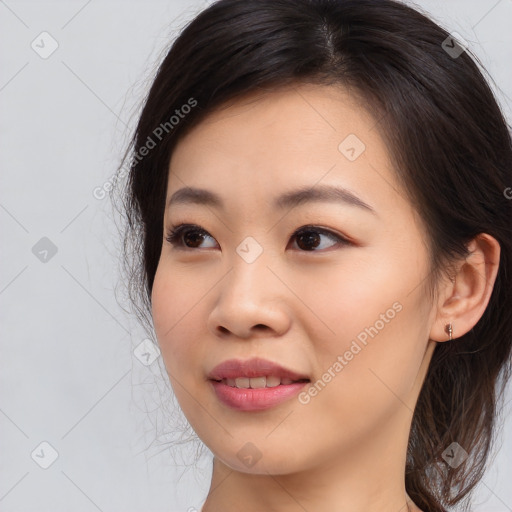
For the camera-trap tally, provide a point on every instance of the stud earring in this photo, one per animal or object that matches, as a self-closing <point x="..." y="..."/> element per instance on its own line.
<point x="449" y="330"/>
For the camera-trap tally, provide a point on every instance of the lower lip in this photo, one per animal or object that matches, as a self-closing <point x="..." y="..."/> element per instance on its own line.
<point x="255" y="399"/>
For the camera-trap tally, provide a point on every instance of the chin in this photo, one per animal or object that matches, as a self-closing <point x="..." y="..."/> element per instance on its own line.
<point x="266" y="461"/>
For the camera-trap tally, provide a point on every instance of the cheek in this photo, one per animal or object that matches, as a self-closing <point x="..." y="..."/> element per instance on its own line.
<point x="378" y="317"/>
<point x="174" y="311"/>
<point x="364" y="292"/>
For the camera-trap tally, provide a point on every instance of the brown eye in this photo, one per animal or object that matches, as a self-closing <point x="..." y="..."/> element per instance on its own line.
<point x="310" y="238"/>
<point x="188" y="236"/>
<point x="192" y="238"/>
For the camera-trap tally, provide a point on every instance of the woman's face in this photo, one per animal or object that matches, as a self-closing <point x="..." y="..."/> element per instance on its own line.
<point x="342" y="303"/>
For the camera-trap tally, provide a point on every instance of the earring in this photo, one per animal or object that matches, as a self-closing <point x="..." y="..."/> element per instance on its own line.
<point x="449" y="330"/>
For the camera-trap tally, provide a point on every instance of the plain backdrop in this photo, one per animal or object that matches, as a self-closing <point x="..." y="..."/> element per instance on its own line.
<point x="80" y="411"/>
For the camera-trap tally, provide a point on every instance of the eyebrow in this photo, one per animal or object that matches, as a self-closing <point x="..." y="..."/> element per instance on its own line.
<point x="319" y="193"/>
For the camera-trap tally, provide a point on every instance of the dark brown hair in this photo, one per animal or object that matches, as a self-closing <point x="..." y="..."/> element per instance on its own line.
<point x="450" y="145"/>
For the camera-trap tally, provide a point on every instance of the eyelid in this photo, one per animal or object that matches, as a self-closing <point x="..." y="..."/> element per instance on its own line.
<point x="175" y="232"/>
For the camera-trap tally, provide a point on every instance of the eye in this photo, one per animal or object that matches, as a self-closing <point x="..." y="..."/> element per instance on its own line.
<point x="189" y="232"/>
<point x="308" y="238"/>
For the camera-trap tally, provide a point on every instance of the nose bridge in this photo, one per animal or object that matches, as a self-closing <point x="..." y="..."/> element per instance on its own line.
<point x="250" y="272"/>
<point x="250" y="294"/>
<point x="250" y="250"/>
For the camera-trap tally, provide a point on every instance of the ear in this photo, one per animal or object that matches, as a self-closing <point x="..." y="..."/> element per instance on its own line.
<point x="463" y="299"/>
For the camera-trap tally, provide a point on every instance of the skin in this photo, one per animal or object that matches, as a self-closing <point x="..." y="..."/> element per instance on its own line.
<point x="346" y="448"/>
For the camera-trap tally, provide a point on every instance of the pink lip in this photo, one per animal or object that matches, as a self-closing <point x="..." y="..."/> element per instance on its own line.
<point x="254" y="399"/>
<point x="255" y="367"/>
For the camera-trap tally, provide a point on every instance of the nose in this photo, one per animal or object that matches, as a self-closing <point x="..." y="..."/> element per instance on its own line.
<point x="251" y="302"/>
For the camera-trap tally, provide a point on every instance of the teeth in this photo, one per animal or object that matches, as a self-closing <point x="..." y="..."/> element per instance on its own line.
<point x="273" y="381"/>
<point x="243" y="382"/>
<point x="257" y="382"/>
<point x="270" y="381"/>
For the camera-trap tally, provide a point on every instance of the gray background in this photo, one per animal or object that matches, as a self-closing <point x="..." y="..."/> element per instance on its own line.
<point x="68" y="373"/>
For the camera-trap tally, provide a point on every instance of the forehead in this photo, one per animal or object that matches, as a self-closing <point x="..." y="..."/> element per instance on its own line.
<point x="279" y="122"/>
<point x="264" y="143"/>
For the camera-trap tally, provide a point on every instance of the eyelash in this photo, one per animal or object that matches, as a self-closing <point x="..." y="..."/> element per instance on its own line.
<point x="175" y="233"/>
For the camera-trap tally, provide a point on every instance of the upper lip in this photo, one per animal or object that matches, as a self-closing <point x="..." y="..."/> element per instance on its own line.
<point x="255" y="367"/>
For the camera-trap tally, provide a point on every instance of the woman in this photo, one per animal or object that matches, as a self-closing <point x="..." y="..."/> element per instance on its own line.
<point x="320" y="234"/>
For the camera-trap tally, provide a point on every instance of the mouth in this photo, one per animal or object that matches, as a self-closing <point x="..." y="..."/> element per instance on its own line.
<point x="255" y="384"/>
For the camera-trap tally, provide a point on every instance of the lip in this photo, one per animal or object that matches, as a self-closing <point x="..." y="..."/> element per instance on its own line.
<point x="255" y="367"/>
<point x="248" y="399"/>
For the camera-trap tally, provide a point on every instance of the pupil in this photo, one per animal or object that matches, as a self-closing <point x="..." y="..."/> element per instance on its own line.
<point x="310" y="237"/>
<point x="190" y="235"/>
